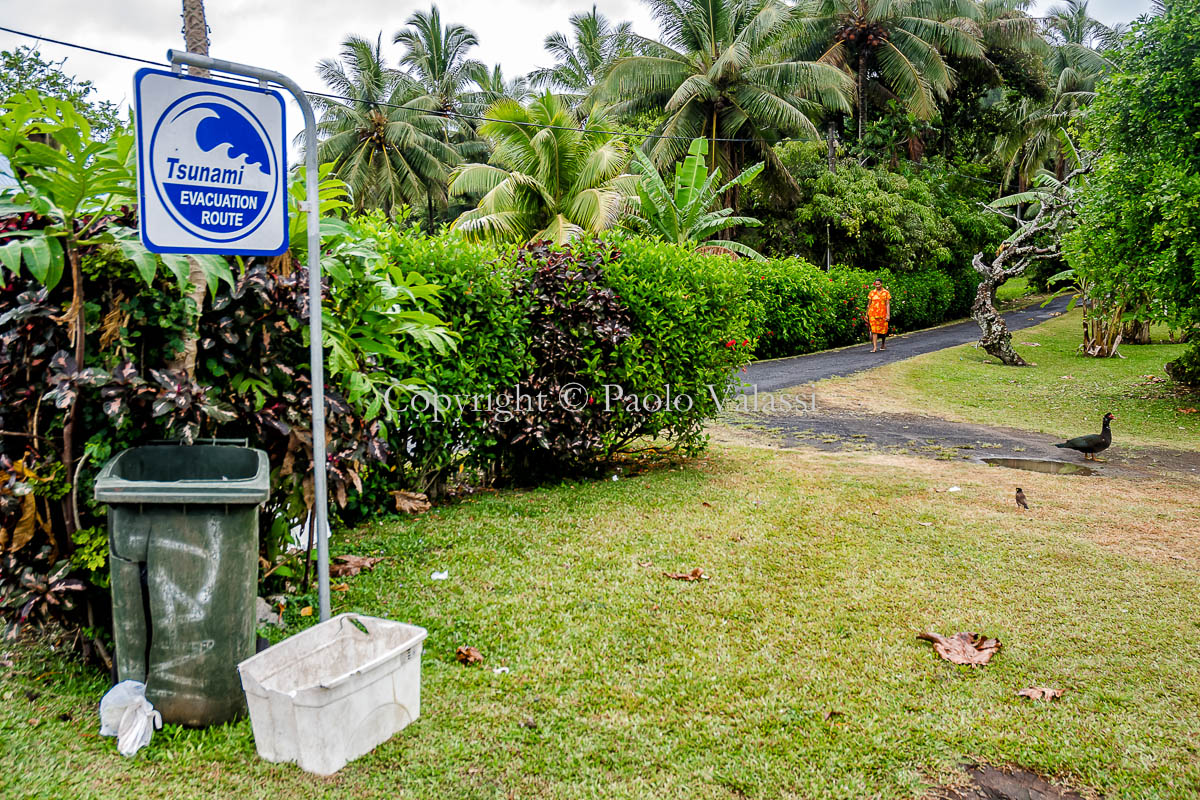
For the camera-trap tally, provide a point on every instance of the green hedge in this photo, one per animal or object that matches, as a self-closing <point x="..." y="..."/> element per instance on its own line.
<point x="690" y="332"/>
<point x="692" y="328"/>
<point x="800" y="308"/>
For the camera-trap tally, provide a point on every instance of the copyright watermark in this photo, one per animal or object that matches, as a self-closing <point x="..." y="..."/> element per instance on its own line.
<point x="607" y="398"/>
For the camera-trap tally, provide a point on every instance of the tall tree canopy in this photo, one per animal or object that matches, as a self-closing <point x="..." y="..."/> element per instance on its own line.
<point x="722" y="70"/>
<point x="383" y="140"/>
<point x="895" y="49"/>
<point x="1140" y="213"/>
<point x="582" y="63"/>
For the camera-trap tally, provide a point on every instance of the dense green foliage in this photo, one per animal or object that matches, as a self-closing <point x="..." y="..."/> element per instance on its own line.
<point x="382" y="140"/>
<point x="872" y="218"/>
<point x="1136" y="240"/>
<point x="24" y="69"/>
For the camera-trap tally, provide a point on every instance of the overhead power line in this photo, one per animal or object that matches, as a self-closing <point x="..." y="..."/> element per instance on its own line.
<point x="480" y="118"/>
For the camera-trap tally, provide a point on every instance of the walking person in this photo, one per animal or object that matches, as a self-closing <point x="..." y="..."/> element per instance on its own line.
<point x="879" y="314"/>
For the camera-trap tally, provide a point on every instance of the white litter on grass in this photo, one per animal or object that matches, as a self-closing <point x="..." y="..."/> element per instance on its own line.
<point x="439" y="576"/>
<point x="127" y="714"/>
<point x="954" y="489"/>
<point x="926" y="524"/>
<point x="500" y="670"/>
<point x="615" y="477"/>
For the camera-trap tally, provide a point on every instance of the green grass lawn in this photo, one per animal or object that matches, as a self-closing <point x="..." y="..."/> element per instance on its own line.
<point x="1014" y="289"/>
<point x="794" y="672"/>
<point x="1065" y="394"/>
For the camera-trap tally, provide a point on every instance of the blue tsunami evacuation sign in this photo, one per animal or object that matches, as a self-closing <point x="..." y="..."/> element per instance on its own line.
<point x="212" y="166"/>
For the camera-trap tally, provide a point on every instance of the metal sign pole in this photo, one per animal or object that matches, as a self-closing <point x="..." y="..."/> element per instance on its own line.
<point x="316" y="353"/>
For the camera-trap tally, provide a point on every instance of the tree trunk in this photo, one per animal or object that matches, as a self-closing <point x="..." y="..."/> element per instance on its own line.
<point x="195" y="39"/>
<point x="995" y="337"/>
<point x="1136" y="332"/>
<point x="861" y="89"/>
<point x="195" y="30"/>
<point x="832" y="154"/>
<point x="78" y="329"/>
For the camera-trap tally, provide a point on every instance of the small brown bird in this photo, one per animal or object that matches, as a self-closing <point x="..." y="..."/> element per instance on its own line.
<point x="1021" y="499"/>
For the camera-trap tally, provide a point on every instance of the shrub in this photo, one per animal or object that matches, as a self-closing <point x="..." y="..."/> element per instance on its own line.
<point x="434" y="432"/>
<point x="691" y="331"/>
<point x="623" y="344"/>
<point x="793" y="308"/>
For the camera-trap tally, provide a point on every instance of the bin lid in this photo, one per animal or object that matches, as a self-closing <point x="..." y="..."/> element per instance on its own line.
<point x="181" y="474"/>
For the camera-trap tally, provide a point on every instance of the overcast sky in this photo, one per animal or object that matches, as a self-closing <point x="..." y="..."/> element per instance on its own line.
<point x="291" y="36"/>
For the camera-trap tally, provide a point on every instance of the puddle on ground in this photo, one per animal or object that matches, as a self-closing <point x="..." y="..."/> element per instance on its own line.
<point x="1010" y="783"/>
<point x="1041" y="465"/>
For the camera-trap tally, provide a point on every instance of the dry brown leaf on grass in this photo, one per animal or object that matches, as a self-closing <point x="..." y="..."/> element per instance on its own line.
<point x="1041" y="693"/>
<point x="695" y="575"/>
<point x="340" y="587"/>
<point x="306" y="611"/>
<point x="410" y="502"/>
<point x="468" y="655"/>
<point x="963" y="648"/>
<point x="346" y="566"/>
<point x="1186" y="410"/>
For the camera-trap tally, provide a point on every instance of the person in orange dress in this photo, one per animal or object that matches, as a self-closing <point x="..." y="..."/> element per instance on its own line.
<point x="879" y="313"/>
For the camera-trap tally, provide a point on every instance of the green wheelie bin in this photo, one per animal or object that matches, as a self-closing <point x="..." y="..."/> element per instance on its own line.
<point x="183" y="555"/>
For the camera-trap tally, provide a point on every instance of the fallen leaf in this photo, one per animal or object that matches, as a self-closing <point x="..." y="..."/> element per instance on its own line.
<point x="695" y="575"/>
<point x="341" y="587"/>
<point x="706" y="505"/>
<point x="26" y="525"/>
<point x="1041" y="693"/>
<point x="1186" y="410"/>
<point x="306" y="611"/>
<point x="963" y="648"/>
<point x="346" y="566"/>
<point x="468" y="655"/>
<point x="831" y="714"/>
<point x="926" y="524"/>
<point x="529" y="723"/>
<point x="645" y="563"/>
<point x="410" y="502"/>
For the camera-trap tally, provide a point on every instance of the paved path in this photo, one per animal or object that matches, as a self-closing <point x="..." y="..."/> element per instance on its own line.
<point x="783" y="373"/>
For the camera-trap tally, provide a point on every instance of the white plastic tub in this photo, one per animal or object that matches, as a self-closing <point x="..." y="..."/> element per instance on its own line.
<point x="326" y="696"/>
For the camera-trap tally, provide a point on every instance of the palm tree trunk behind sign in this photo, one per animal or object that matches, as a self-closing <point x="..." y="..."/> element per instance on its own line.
<point x="195" y="39"/>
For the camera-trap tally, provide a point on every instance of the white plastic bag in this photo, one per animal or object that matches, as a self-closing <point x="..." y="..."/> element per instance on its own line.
<point x="127" y="714"/>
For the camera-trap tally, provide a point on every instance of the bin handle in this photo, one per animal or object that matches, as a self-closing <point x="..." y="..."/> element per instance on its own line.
<point x="211" y="441"/>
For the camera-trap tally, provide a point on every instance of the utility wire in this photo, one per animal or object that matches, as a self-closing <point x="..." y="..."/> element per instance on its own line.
<point x="479" y="118"/>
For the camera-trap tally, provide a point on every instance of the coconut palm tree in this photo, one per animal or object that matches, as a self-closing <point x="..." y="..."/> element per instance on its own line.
<point x="582" y="64"/>
<point x="491" y="86"/>
<point x="552" y="177"/>
<point x="436" y="57"/>
<point x="1075" y="40"/>
<point x="895" y="49"/>
<point x="383" y="140"/>
<point x="721" y="71"/>
<point x="1006" y="24"/>
<point x="1076" y="67"/>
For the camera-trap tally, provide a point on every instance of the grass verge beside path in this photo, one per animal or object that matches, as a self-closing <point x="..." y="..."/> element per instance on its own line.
<point x="1064" y="395"/>
<point x="793" y="672"/>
